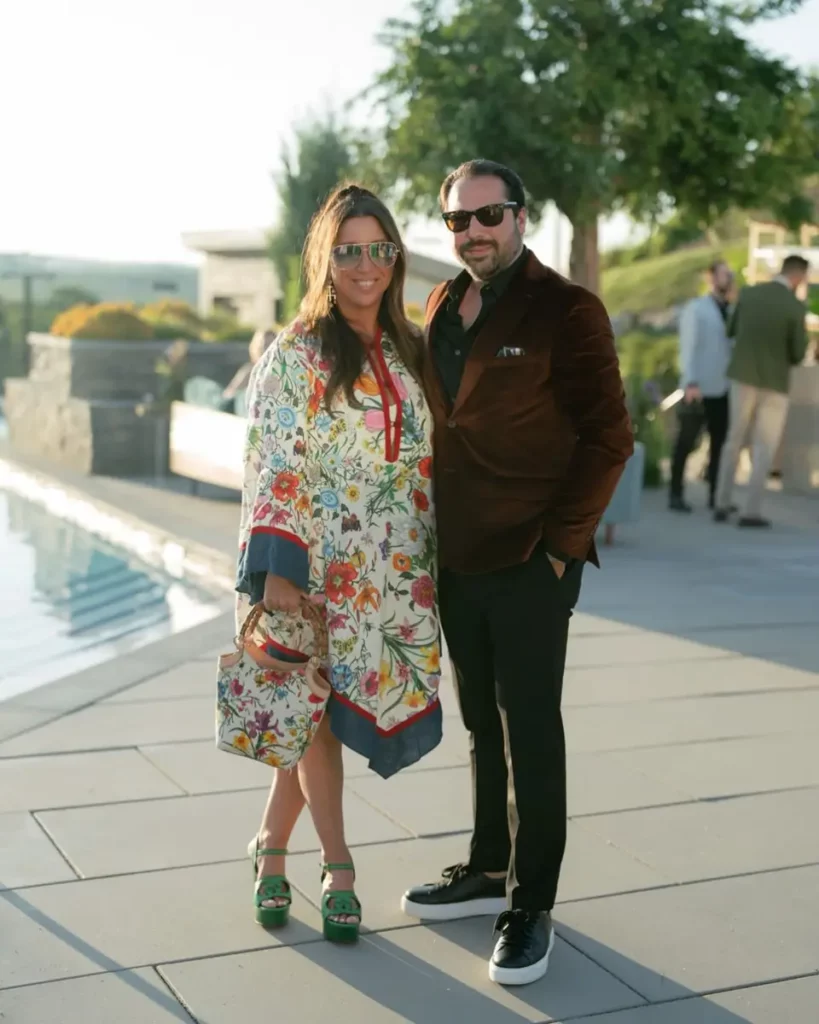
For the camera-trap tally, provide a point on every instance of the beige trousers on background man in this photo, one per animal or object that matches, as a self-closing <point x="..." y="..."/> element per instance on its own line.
<point x="758" y="415"/>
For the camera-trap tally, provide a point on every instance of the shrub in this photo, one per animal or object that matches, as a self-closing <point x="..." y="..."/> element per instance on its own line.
<point x="231" y="332"/>
<point x="650" y="355"/>
<point x="414" y="313"/>
<point x="171" y="330"/>
<point x="173" y="318"/>
<point x="107" y="321"/>
<point x="643" y="398"/>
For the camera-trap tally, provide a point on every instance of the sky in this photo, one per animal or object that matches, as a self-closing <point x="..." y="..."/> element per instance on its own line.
<point x="125" y="124"/>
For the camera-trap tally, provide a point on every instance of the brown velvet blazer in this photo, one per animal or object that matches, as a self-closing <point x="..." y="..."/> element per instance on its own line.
<point x="534" y="444"/>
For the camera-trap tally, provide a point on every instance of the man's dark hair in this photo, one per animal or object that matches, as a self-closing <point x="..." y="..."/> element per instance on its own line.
<point x="795" y="265"/>
<point x="515" y="191"/>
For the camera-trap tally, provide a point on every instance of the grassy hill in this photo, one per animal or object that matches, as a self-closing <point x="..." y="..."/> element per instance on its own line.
<point x="661" y="282"/>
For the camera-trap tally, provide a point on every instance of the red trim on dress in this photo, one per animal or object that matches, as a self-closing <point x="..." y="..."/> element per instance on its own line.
<point x="279" y="533"/>
<point x="387" y="389"/>
<point x="371" y="718"/>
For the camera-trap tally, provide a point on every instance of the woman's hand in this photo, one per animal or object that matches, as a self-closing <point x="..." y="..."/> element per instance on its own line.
<point x="280" y="595"/>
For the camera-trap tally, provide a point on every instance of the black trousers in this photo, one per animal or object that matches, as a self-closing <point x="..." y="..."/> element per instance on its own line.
<point x="507" y="632"/>
<point x="713" y="414"/>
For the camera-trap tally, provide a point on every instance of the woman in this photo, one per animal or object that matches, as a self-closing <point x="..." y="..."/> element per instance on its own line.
<point x="337" y="507"/>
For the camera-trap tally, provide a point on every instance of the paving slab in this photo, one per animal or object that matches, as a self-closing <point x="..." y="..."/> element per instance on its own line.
<point x="584" y="624"/>
<point x="70" y="780"/>
<point x="746" y="765"/>
<point x="17" y="720"/>
<point x="658" y="723"/>
<point x="425" y="803"/>
<point x="709" y="840"/>
<point x="633" y="649"/>
<point x="416" y="975"/>
<point x="632" y="684"/>
<point x="27" y="855"/>
<point x="126" y="997"/>
<point x="787" y="644"/>
<point x="192" y="679"/>
<point x="199" y="767"/>
<point x="434" y="802"/>
<point x="106" y="726"/>
<point x="704" y="937"/>
<point x="107" y="924"/>
<point x="592" y="868"/>
<point x="118" y="838"/>
<point x="784" y="1002"/>
<point x="597" y="783"/>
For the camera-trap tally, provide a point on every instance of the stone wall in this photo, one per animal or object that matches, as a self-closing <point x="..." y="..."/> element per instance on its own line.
<point x="83" y="403"/>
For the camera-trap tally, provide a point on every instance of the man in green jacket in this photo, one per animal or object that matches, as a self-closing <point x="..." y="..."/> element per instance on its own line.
<point x="768" y="325"/>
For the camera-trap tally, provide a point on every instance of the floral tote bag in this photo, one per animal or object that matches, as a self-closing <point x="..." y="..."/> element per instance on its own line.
<point x="266" y="709"/>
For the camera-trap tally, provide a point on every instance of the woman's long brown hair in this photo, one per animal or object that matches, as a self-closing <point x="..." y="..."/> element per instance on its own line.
<point x="340" y="344"/>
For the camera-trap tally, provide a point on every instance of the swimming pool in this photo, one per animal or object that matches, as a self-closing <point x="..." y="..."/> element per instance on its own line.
<point x="70" y="600"/>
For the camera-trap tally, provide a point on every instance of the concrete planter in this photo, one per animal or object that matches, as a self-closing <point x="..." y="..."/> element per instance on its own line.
<point x="87" y="404"/>
<point x="624" y="506"/>
<point x="798" y="456"/>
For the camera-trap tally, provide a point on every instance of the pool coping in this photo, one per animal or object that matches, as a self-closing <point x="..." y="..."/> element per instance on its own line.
<point x="177" y="556"/>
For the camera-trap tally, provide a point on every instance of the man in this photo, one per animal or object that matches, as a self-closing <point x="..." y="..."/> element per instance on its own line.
<point x="768" y="326"/>
<point x="705" y="351"/>
<point x="531" y="436"/>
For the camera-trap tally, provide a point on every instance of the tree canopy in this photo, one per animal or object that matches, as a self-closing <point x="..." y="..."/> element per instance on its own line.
<point x="319" y="158"/>
<point x="600" y="105"/>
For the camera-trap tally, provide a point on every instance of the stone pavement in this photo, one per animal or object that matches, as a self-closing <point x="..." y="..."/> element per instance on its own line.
<point x="691" y="886"/>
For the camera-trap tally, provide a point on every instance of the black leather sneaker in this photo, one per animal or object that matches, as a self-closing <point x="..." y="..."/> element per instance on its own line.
<point x="522" y="952"/>
<point x="678" y="504"/>
<point x="461" y="892"/>
<point x="755" y="522"/>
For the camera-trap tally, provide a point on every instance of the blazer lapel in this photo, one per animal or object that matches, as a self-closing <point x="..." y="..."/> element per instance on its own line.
<point x="505" y="317"/>
<point x="432" y="378"/>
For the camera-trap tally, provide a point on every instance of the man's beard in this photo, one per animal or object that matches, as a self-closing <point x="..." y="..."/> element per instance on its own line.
<point x="485" y="266"/>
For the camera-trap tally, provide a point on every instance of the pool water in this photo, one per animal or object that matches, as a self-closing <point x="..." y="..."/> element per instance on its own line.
<point x="69" y="600"/>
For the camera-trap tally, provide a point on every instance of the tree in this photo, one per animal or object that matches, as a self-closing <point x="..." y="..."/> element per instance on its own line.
<point x="641" y="105"/>
<point x="310" y="169"/>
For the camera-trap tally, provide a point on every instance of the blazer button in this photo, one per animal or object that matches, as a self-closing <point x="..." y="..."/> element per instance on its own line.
<point x="451" y="423"/>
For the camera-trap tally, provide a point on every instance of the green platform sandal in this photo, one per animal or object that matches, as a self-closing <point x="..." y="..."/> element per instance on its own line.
<point x="344" y="902"/>
<point x="269" y="887"/>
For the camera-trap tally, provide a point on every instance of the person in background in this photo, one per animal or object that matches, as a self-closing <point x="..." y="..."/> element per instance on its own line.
<point x="705" y="351"/>
<point x="768" y="325"/>
<point x="259" y="344"/>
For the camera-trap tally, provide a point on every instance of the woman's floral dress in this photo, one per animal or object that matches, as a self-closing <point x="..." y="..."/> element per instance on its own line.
<point x="339" y="502"/>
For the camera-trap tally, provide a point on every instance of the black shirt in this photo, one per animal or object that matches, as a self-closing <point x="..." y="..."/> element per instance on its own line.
<point x="722" y="306"/>
<point x="451" y="341"/>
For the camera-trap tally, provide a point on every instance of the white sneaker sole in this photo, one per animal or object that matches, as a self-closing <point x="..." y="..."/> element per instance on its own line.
<point x="454" y="911"/>
<point x="522" y="975"/>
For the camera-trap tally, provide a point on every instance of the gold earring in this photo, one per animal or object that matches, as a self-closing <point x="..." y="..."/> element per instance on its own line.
<point x="331" y="294"/>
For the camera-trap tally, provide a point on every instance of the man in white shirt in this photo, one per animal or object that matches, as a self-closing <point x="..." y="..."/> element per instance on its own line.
<point x="705" y="351"/>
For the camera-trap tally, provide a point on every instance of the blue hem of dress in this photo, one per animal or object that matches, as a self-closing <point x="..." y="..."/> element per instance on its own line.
<point x="270" y="553"/>
<point x="386" y="755"/>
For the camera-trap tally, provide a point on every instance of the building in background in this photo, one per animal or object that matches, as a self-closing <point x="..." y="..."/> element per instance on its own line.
<point x="238" y="275"/>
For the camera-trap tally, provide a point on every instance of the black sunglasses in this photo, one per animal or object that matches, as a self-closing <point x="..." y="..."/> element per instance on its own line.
<point x="490" y="216"/>
<point x="382" y="254"/>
